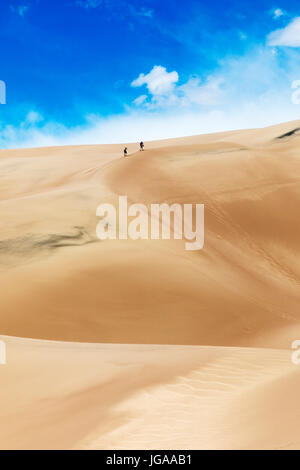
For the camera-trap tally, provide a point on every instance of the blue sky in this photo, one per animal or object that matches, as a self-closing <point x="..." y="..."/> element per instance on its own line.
<point x="101" y="71"/>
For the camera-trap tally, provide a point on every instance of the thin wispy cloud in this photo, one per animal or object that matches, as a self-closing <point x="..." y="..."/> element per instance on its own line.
<point x="19" y="9"/>
<point x="130" y="9"/>
<point x="243" y="36"/>
<point x="89" y="3"/>
<point x="140" y="100"/>
<point x="288" y="36"/>
<point x="143" y="11"/>
<point x="146" y="13"/>
<point x="33" y="117"/>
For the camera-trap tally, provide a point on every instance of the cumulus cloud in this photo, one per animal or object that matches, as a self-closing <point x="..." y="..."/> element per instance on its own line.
<point x="158" y="81"/>
<point x="288" y="36"/>
<point x="164" y="91"/>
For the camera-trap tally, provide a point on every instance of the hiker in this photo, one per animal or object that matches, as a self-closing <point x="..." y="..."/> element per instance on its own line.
<point x="125" y="152"/>
<point x="141" y="146"/>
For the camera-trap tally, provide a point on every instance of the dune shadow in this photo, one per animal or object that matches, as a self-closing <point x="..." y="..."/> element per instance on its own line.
<point x="289" y="134"/>
<point x="33" y="244"/>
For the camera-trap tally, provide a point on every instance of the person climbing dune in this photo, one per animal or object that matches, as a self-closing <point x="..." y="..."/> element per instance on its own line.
<point x="142" y="146"/>
<point x="125" y="152"/>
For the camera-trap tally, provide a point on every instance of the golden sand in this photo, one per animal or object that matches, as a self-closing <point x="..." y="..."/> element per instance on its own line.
<point x="190" y="349"/>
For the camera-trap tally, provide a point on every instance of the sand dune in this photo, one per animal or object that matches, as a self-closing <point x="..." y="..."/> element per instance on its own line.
<point x="225" y="316"/>
<point x="85" y="396"/>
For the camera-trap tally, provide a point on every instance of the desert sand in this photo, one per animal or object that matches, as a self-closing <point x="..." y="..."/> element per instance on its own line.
<point x="124" y="344"/>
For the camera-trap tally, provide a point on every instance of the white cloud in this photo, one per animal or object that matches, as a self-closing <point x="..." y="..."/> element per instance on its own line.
<point x="141" y="125"/>
<point x="140" y="100"/>
<point x="165" y="92"/>
<point x="288" y="36"/>
<point x="249" y="91"/>
<point x="158" y="81"/>
<point x="33" y="117"/>
<point x="277" y="13"/>
<point x="194" y="92"/>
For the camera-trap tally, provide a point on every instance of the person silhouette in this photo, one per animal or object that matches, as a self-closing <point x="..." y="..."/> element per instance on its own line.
<point x="125" y="152"/>
<point x="142" y="146"/>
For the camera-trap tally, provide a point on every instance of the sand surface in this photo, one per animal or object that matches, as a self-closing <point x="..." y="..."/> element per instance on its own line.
<point x="142" y="344"/>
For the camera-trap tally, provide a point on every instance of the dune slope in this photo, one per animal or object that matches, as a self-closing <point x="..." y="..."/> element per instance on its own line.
<point x="88" y="396"/>
<point x="191" y="349"/>
<point x="61" y="283"/>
